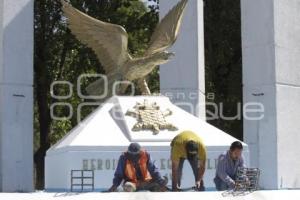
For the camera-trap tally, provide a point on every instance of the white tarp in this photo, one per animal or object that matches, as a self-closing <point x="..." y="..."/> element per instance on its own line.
<point x="258" y="195"/>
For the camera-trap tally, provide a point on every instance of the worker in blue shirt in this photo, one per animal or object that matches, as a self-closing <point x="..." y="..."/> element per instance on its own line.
<point x="228" y="164"/>
<point x="138" y="172"/>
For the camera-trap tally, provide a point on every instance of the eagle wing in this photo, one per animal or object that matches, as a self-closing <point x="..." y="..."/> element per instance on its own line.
<point x="167" y="30"/>
<point x="108" y="41"/>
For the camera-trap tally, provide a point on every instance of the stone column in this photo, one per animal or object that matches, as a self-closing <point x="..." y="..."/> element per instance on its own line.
<point x="16" y="95"/>
<point x="183" y="78"/>
<point x="271" y="77"/>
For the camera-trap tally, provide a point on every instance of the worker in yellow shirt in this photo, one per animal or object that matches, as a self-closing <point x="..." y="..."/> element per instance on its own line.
<point x="188" y="145"/>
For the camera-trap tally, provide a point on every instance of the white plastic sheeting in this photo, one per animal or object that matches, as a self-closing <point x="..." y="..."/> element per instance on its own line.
<point x="258" y="195"/>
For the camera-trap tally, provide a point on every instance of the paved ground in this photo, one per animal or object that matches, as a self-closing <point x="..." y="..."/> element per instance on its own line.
<point x="258" y="195"/>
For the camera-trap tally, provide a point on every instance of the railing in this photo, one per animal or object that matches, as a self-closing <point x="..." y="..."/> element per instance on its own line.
<point x="82" y="180"/>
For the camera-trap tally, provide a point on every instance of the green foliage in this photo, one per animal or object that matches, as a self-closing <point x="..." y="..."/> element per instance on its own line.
<point x="223" y="61"/>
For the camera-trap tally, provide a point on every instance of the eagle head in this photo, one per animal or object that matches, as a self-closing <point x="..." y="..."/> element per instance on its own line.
<point x="167" y="55"/>
<point x="162" y="57"/>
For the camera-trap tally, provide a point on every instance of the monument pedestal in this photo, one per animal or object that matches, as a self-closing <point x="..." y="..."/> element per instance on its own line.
<point x="98" y="141"/>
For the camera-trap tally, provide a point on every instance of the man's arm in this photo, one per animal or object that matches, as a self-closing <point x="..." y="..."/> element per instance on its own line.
<point x="201" y="170"/>
<point x="175" y="164"/>
<point x="154" y="171"/>
<point x="177" y="152"/>
<point x="119" y="174"/>
<point x="201" y="164"/>
<point x="221" y="172"/>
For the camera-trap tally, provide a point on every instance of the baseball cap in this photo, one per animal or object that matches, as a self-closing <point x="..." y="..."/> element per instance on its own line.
<point x="134" y="148"/>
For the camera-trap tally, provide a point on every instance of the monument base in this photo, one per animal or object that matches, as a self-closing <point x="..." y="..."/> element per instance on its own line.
<point x="98" y="141"/>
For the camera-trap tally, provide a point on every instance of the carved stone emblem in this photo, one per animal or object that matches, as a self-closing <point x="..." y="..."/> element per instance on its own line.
<point x="150" y="117"/>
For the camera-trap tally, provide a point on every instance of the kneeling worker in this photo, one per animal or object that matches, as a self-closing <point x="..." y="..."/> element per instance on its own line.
<point x="228" y="164"/>
<point x="188" y="145"/>
<point x="137" y="171"/>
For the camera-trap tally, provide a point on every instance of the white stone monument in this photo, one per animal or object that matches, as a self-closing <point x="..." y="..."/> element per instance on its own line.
<point x="16" y="95"/>
<point x="271" y="76"/>
<point x="97" y="142"/>
<point x="183" y="78"/>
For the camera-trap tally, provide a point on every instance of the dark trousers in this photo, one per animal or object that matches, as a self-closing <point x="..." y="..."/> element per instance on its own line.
<point x="195" y="167"/>
<point x="221" y="185"/>
<point x="152" y="186"/>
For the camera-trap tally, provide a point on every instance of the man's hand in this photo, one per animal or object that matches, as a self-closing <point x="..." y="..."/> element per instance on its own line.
<point x="199" y="185"/>
<point x="247" y="181"/>
<point x="176" y="189"/>
<point x="231" y="184"/>
<point x="112" y="189"/>
<point x="199" y="182"/>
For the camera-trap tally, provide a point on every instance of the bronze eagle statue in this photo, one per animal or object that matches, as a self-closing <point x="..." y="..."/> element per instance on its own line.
<point x="109" y="42"/>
